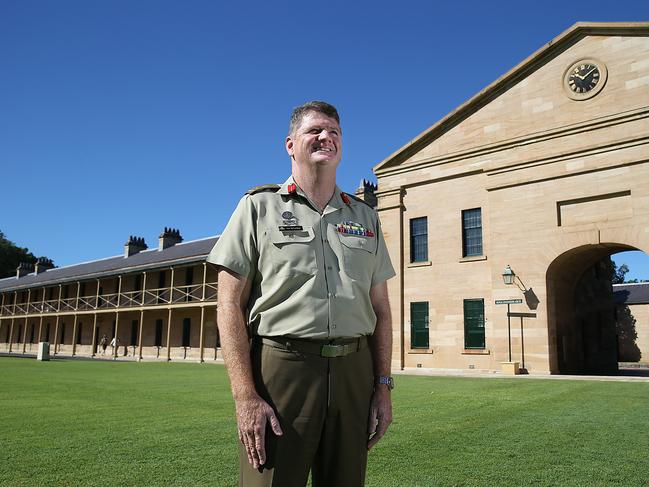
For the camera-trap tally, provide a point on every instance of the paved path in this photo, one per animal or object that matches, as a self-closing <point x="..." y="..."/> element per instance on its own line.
<point x="630" y="374"/>
<point x="626" y="375"/>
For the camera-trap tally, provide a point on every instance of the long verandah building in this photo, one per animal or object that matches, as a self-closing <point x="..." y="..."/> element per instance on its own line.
<point x="158" y="303"/>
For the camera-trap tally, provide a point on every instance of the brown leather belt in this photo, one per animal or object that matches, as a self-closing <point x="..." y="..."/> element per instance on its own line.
<point x="338" y="347"/>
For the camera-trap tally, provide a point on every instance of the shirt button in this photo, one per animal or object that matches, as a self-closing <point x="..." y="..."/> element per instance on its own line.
<point x="333" y="326"/>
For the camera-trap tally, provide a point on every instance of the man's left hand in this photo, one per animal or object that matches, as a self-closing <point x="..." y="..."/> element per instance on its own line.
<point x="380" y="415"/>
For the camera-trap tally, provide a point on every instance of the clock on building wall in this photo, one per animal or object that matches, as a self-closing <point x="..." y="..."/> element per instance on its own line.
<point x="584" y="79"/>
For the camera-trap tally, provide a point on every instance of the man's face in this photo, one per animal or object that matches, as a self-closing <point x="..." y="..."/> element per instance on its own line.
<point x="316" y="142"/>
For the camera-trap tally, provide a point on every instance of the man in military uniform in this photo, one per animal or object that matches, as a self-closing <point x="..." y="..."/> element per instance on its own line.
<point x="304" y="318"/>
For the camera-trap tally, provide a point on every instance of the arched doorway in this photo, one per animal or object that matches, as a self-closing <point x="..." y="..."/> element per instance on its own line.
<point x="582" y="311"/>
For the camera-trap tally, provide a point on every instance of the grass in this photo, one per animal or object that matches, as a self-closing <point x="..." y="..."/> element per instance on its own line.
<point x="69" y="422"/>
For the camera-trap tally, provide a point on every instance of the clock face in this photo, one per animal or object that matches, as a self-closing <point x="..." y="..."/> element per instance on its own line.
<point x="584" y="79"/>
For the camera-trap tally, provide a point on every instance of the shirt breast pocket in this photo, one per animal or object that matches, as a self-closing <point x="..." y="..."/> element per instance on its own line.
<point x="358" y="256"/>
<point x="293" y="252"/>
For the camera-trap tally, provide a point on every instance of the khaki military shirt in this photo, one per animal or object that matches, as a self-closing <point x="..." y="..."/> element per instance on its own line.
<point x="311" y="273"/>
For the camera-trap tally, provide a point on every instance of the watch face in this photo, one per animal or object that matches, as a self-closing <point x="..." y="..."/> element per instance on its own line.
<point x="584" y="79"/>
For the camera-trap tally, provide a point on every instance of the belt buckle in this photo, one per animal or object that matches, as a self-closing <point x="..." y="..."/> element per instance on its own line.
<point x="331" y="351"/>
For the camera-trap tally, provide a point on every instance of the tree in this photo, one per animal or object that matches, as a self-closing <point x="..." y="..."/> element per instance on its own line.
<point x="11" y="255"/>
<point x="619" y="273"/>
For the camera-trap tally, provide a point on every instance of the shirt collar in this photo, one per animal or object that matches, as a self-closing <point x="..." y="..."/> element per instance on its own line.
<point x="335" y="203"/>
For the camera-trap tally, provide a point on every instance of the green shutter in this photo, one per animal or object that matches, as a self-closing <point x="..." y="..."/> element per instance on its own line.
<point x="474" y="336"/>
<point x="419" y="325"/>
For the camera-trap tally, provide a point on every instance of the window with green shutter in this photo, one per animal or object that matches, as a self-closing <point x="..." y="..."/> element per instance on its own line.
<point x="419" y="325"/>
<point x="474" y="336"/>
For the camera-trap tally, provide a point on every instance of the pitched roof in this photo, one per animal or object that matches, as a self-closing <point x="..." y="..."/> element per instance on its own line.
<point x="513" y="76"/>
<point x="634" y="293"/>
<point x="186" y="252"/>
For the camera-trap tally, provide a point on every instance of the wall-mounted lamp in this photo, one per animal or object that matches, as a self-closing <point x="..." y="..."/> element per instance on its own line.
<point x="509" y="277"/>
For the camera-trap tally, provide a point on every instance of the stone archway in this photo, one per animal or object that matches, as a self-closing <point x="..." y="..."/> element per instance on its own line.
<point x="581" y="322"/>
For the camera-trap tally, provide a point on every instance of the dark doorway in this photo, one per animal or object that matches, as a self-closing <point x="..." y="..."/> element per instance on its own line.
<point x="133" y="342"/>
<point x="582" y="311"/>
<point x="158" y="333"/>
<point x="187" y="329"/>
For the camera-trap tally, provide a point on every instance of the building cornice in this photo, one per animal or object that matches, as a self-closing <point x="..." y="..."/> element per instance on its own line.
<point x="528" y="139"/>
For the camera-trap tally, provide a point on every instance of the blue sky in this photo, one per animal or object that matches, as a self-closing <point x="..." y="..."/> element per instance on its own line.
<point x="119" y="118"/>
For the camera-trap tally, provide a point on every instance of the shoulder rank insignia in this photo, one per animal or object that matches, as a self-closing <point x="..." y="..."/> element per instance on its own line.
<point x="356" y="198"/>
<point x="263" y="187"/>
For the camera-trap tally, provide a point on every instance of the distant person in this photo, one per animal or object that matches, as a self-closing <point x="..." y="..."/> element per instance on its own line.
<point x="114" y="343"/>
<point x="103" y="343"/>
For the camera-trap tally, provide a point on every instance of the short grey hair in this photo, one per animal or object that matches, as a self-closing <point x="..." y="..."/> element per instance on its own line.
<point x="311" y="106"/>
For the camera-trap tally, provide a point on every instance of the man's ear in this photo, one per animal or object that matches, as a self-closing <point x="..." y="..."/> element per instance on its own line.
<point x="289" y="146"/>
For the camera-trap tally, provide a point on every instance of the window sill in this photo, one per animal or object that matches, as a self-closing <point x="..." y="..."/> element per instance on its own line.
<point x="420" y="351"/>
<point x="476" y="351"/>
<point x="420" y="264"/>
<point x="473" y="258"/>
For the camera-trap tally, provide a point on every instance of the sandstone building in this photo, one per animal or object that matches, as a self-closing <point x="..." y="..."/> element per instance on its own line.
<point x="632" y="320"/>
<point x="546" y="171"/>
<point x="160" y="304"/>
<point x="538" y="177"/>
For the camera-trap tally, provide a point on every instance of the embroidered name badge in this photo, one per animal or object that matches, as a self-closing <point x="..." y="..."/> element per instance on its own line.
<point x="291" y="223"/>
<point x="351" y="228"/>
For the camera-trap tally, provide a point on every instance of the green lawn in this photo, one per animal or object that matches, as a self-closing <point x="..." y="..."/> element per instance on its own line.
<point x="69" y="422"/>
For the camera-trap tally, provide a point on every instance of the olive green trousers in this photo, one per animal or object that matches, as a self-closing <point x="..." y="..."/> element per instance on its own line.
<point x="323" y="406"/>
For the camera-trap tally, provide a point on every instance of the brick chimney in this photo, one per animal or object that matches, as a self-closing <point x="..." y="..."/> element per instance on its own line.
<point x="23" y="269"/>
<point x="366" y="191"/>
<point x="169" y="237"/>
<point x="43" y="264"/>
<point x="134" y="245"/>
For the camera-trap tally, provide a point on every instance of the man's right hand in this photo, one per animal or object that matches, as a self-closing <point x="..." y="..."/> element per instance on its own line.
<point x="252" y="415"/>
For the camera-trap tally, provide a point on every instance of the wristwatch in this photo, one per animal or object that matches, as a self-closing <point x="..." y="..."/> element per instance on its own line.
<point x="385" y="379"/>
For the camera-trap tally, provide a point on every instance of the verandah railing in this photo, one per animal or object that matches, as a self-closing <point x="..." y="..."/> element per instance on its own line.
<point x="127" y="299"/>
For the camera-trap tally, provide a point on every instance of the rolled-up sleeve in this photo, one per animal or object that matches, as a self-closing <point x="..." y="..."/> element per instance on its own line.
<point x="383" y="269"/>
<point x="236" y="248"/>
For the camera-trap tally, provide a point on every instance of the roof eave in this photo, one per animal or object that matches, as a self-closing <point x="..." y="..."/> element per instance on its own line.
<point x="109" y="273"/>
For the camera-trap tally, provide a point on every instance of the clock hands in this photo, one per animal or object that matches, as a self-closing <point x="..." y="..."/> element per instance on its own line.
<point x="588" y="73"/>
<point x="577" y="75"/>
